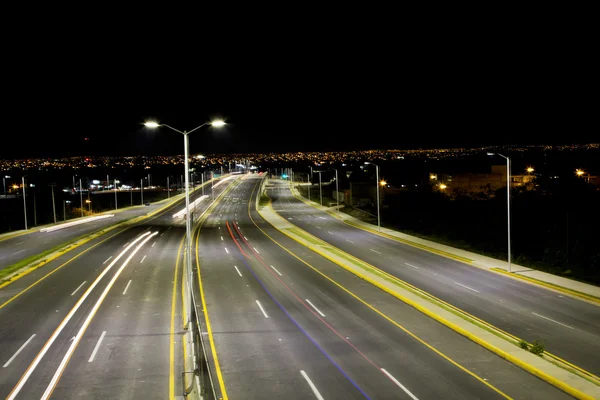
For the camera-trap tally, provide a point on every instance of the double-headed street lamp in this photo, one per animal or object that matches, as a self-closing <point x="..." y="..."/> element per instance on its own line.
<point x="507" y="203"/>
<point x="188" y="226"/>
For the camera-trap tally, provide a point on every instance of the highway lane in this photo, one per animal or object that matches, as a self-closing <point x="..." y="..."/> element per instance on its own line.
<point x="37" y="312"/>
<point x="17" y="248"/>
<point x="570" y="328"/>
<point x="273" y="316"/>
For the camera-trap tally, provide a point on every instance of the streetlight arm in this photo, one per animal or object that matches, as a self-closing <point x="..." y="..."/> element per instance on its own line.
<point x="502" y="156"/>
<point x="206" y="123"/>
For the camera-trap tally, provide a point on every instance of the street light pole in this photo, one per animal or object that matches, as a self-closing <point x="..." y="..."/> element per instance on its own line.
<point x="53" y="205"/>
<point x="142" y="190"/>
<point x="168" y="189"/>
<point x="116" y="195"/>
<point x="80" y="197"/>
<point x="377" y="191"/>
<point x="507" y="206"/>
<point x="188" y="225"/>
<point x="320" y="189"/>
<point x="24" y="202"/>
<point x="337" y="193"/>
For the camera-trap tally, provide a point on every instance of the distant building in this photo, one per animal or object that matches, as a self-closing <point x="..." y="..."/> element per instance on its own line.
<point x="477" y="183"/>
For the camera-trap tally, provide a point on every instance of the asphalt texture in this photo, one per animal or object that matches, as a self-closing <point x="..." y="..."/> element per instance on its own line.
<point x="569" y="328"/>
<point x="290" y="324"/>
<point x="90" y="324"/>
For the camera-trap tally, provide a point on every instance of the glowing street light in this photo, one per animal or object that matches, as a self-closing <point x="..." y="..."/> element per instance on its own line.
<point x="530" y="169"/>
<point x="383" y="183"/>
<point x="188" y="228"/>
<point x="579" y="172"/>
<point x="442" y="186"/>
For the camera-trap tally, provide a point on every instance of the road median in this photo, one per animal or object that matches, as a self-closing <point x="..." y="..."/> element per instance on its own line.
<point x="561" y="375"/>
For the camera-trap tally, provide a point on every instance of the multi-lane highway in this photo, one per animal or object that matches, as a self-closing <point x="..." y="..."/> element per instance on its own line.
<point x="103" y="321"/>
<point x="19" y="247"/>
<point x="284" y="322"/>
<point x="569" y="328"/>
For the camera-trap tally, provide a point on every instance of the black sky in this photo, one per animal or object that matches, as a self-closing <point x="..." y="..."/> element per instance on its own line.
<point x="335" y="88"/>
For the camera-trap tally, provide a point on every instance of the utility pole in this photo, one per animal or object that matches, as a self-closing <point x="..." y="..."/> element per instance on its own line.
<point x="168" y="189"/>
<point x="142" y="190"/>
<point x="116" y="194"/>
<point x="53" y="205"/>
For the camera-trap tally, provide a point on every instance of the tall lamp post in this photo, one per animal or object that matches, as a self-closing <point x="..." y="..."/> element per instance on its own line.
<point x="507" y="204"/>
<point x="377" y="191"/>
<point x="4" y="182"/>
<point x="188" y="225"/>
<point x="337" y="192"/>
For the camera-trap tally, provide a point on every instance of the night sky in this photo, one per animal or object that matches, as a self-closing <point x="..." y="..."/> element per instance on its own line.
<point x="299" y="93"/>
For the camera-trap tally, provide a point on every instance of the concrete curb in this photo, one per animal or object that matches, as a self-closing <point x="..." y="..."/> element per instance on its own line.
<point x="567" y="381"/>
<point x="570" y="292"/>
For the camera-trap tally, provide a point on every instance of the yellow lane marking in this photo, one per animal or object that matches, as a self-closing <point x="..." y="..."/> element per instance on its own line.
<point x="400" y="281"/>
<point x="376" y="310"/>
<point x="172" y="334"/>
<point x="549" y="285"/>
<point x="53" y="271"/>
<point x="205" y="309"/>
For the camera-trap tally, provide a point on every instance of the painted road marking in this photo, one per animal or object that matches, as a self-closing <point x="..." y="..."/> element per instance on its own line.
<point x="313" y="306"/>
<point x="127" y="287"/>
<point x="238" y="271"/>
<point x="64" y="322"/>
<point x="142" y="260"/>
<point x="153" y="244"/>
<point x="125" y="244"/>
<point x="375" y="251"/>
<point x="256" y="250"/>
<point x="20" y="251"/>
<point x="318" y="227"/>
<point x="19" y="243"/>
<point x="549" y="319"/>
<point x="401" y="386"/>
<point x="466" y="287"/>
<point x="227" y="251"/>
<point x="97" y="346"/>
<point x="106" y="260"/>
<point x="275" y="269"/>
<point x="414" y="266"/>
<point x="78" y="287"/>
<point x="63" y="364"/>
<point x="330" y="232"/>
<point x="221" y="237"/>
<point x="262" y="309"/>
<point x="312" y="386"/>
<point x="349" y="241"/>
<point x="18" y="351"/>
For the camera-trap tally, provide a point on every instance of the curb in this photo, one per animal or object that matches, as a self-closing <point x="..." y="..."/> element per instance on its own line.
<point x="465" y="260"/>
<point x="501" y="353"/>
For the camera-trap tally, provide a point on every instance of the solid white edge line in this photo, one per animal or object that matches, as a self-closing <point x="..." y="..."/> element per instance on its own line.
<point x="238" y="271"/>
<point x="401" y="386"/>
<point x="97" y="347"/>
<point x="262" y="309"/>
<point x="313" y="306"/>
<point x="466" y="287"/>
<point x="127" y="287"/>
<point x="106" y="260"/>
<point x="88" y="320"/>
<point x="312" y="386"/>
<point x="18" y="351"/>
<point x="550" y="319"/>
<point x="58" y="330"/>
<point x="78" y="287"/>
<point x="143" y="258"/>
<point x="276" y="270"/>
<point x="410" y="265"/>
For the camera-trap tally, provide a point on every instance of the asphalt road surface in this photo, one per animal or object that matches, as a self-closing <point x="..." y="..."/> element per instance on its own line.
<point x="569" y="328"/>
<point x="288" y="324"/>
<point x="102" y="322"/>
<point x="17" y="248"/>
